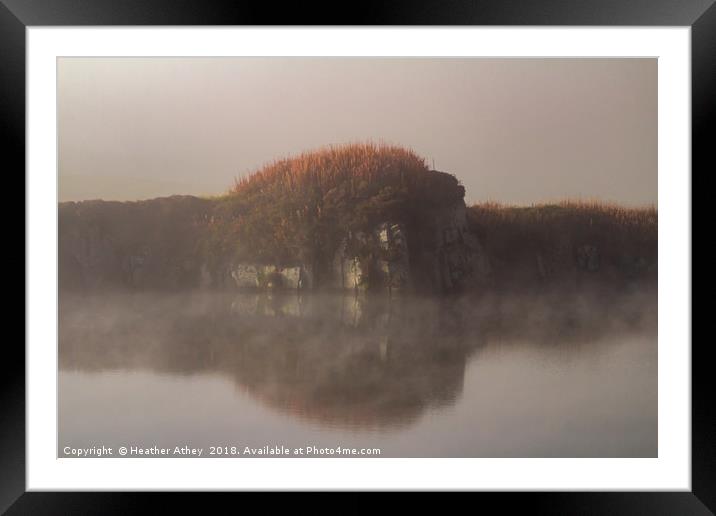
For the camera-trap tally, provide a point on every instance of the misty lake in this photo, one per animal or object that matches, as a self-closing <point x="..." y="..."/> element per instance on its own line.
<point x="498" y="375"/>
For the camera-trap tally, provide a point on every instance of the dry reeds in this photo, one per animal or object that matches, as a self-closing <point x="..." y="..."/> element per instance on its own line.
<point x="328" y="166"/>
<point x="576" y="210"/>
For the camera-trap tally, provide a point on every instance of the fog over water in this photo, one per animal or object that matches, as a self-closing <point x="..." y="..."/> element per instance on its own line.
<point x="497" y="375"/>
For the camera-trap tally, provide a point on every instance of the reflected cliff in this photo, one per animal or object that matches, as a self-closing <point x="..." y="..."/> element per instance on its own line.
<point x="337" y="360"/>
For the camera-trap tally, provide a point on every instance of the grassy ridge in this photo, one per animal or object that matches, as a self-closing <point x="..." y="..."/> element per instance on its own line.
<point x="104" y="240"/>
<point x="299" y="210"/>
<point x="548" y="238"/>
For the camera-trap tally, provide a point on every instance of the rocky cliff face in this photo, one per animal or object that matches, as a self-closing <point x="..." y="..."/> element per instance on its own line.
<point x="444" y="258"/>
<point x="441" y="255"/>
<point x="458" y="258"/>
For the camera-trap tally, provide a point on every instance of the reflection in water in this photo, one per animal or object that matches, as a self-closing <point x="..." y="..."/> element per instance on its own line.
<point x="360" y="370"/>
<point x="339" y="360"/>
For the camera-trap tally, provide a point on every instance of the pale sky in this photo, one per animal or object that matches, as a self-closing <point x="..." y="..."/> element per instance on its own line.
<point x="512" y="130"/>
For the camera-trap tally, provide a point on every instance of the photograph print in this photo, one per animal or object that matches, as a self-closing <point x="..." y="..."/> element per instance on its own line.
<point x="357" y="257"/>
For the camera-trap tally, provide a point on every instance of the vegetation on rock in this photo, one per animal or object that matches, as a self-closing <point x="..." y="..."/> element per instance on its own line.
<point x="299" y="210"/>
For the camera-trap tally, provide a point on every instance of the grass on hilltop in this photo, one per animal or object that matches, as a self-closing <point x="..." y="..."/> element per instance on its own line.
<point x="297" y="210"/>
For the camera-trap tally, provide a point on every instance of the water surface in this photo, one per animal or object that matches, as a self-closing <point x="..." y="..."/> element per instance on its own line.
<point x="510" y="375"/>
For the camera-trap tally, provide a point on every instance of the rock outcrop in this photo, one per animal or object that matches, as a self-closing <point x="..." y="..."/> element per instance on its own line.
<point x="379" y="260"/>
<point x="347" y="271"/>
<point x="459" y="256"/>
<point x="394" y="261"/>
<point x="270" y="276"/>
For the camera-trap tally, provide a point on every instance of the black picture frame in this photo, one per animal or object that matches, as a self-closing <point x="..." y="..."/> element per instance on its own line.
<point x="16" y="15"/>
